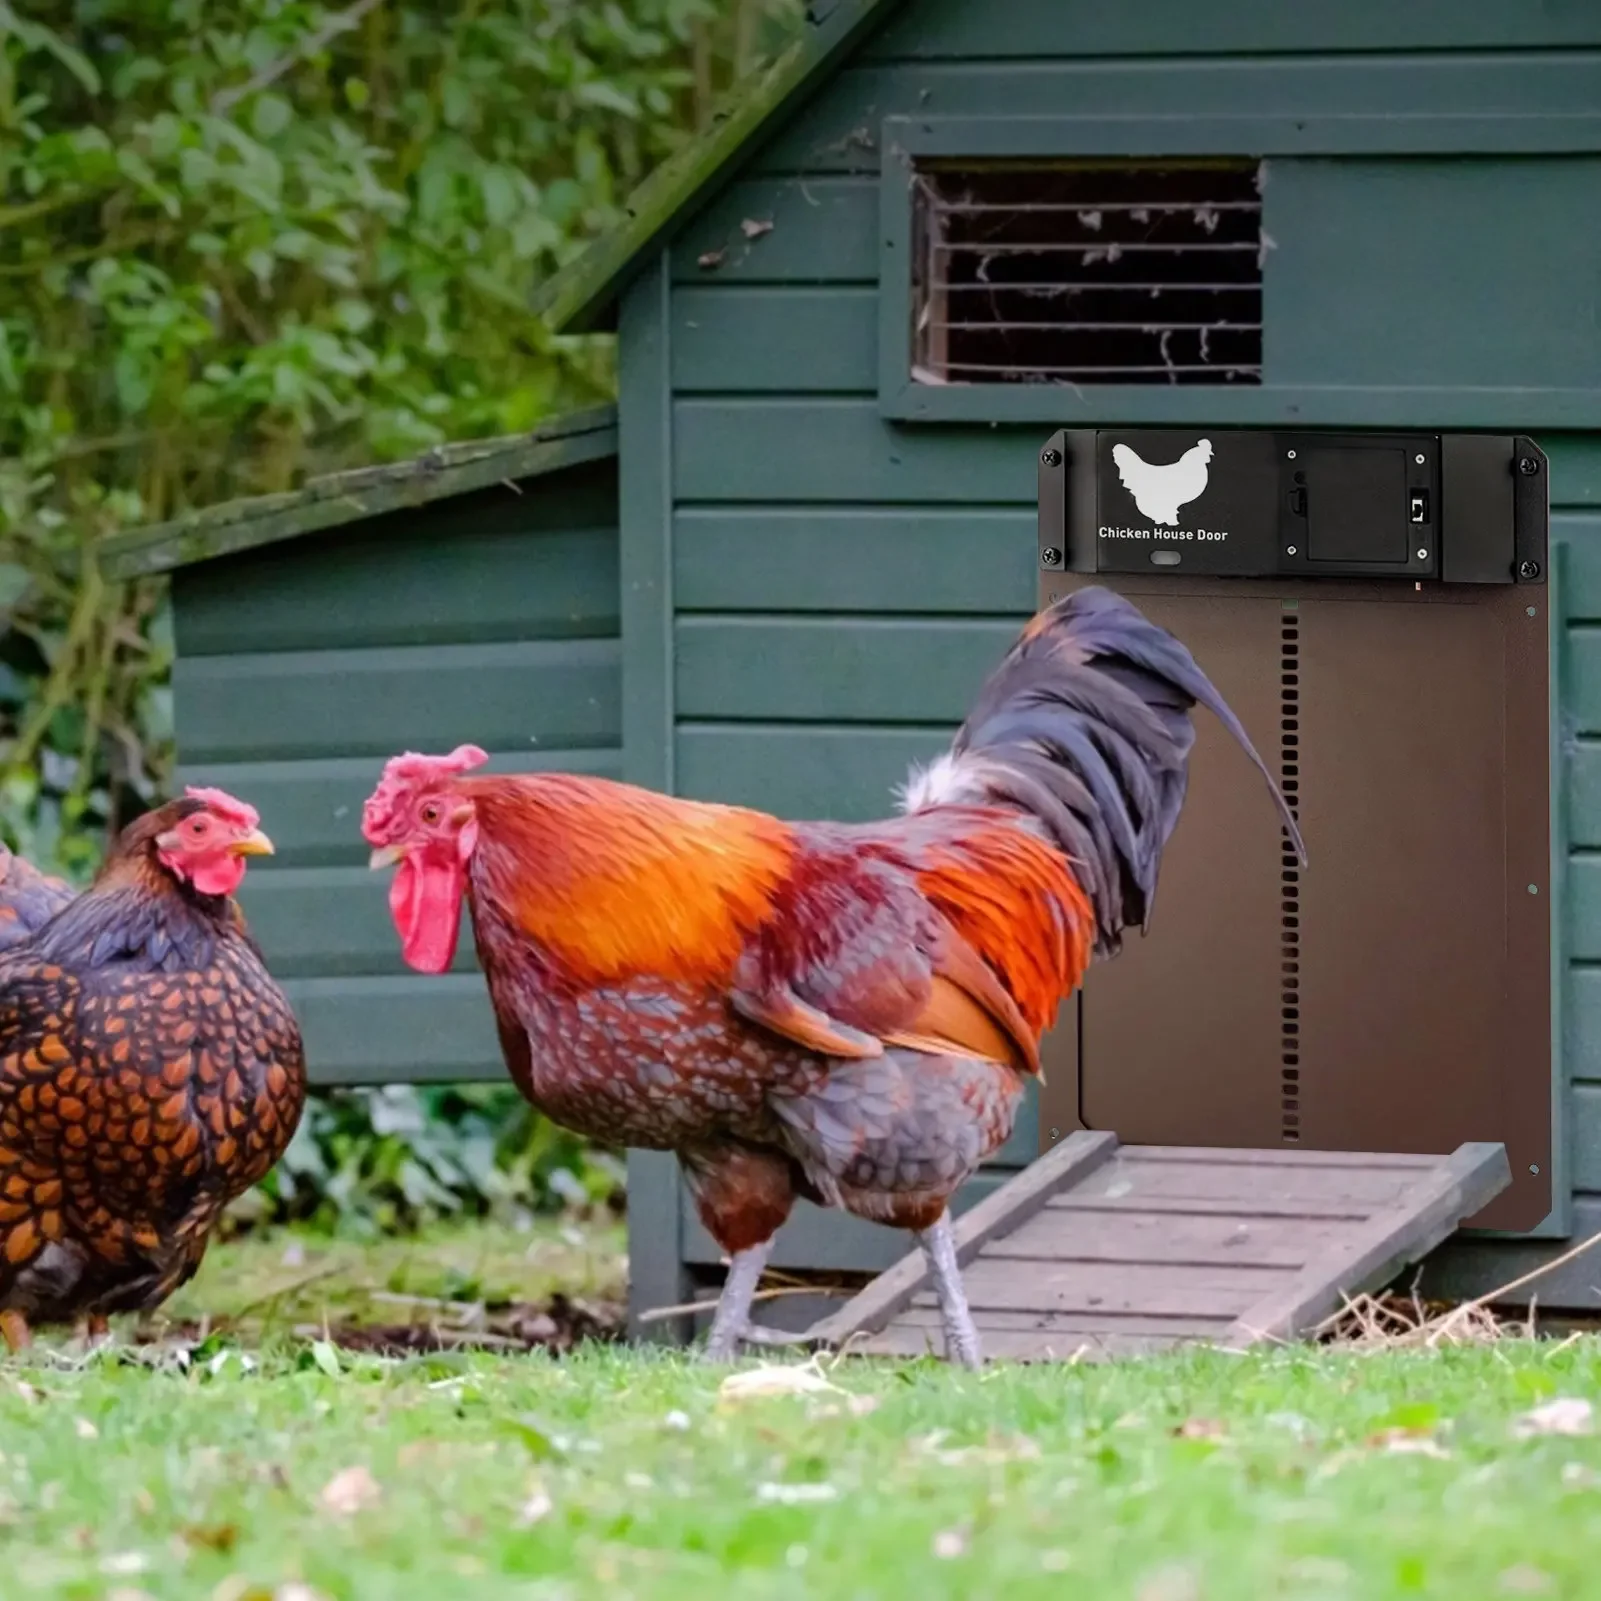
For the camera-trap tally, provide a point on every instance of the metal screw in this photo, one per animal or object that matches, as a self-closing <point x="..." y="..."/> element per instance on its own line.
<point x="1051" y="458"/>
<point x="1420" y="460"/>
<point x="1051" y="556"/>
<point x="1529" y="569"/>
<point x="1290" y="454"/>
<point x="1534" y="889"/>
<point x="1056" y="1134"/>
<point x="1530" y="611"/>
<point x="1289" y="550"/>
<point x="1423" y="555"/>
<point x="1528" y="466"/>
<point x="1534" y="1167"/>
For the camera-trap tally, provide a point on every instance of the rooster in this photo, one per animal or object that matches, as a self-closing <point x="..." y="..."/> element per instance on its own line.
<point x="1160" y="491"/>
<point x="150" y="1069"/>
<point x="844" y="1013"/>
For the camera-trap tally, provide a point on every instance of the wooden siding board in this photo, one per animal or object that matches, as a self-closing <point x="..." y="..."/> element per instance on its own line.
<point x="327" y="921"/>
<point x="1027" y="30"/>
<point x="774" y="341"/>
<point x="494" y="566"/>
<point x="876" y="559"/>
<point x="308" y="704"/>
<point x="836" y="670"/>
<point x="824" y="230"/>
<point x="844" y="774"/>
<point x="1583" y="1038"/>
<point x="1583" y="936"/>
<point x="839" y="132"/>
<point x="1580" y="535"/>
<point x="397" y="1029"/>
<point x="1500" y="223"/>
<point x="762" y="450"/>
<point x="657" y="1265"/>
<point x="1575" y="468"/>
<point x="1584" y="1119"/>
<point x="742" y="450"/>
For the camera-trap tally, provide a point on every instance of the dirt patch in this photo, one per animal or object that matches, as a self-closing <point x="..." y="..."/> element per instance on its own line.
<point x="556" y="1325"/>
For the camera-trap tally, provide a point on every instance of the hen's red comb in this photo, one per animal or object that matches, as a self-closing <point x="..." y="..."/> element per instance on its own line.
<point x="405" y="773"/>
<point x="223" y="805"/>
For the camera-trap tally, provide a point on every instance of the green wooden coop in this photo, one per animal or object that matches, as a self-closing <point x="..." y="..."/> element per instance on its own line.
<point x="777" y="575"/>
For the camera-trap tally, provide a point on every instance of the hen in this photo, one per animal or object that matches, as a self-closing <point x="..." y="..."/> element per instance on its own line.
<point x="1159" y="490"/>
<point x="847" y="1013"/>
<point x="150" y="1069"/>
<point x="28" y="899"/>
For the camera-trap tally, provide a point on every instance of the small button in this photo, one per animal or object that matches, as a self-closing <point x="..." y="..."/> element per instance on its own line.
<point x="1165" y="558"/>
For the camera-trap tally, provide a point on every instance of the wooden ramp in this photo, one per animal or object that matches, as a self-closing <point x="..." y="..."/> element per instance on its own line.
<point x="1105" y="1249"/>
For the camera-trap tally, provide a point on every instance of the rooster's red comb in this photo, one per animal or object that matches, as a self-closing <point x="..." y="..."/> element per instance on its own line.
<point x="408" y="772"/>
<point x="223" y="805"/>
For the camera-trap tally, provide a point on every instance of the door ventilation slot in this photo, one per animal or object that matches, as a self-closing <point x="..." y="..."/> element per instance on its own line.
<point x="1290" y="881"/>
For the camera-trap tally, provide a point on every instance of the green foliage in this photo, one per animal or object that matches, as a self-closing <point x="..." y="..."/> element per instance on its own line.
<point x="245" y="241"/>
<point x="387" y="1160"/>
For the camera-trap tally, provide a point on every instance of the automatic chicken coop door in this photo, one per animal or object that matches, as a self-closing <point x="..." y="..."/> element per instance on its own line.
<point x="1374" y="608"/>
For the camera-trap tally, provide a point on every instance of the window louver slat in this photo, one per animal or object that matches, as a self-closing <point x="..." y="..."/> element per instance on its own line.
<point x="1113" y="273"/>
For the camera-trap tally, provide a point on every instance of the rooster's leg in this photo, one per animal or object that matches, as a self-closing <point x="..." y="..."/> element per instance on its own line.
<point x="732" y="1321"/>
<point x="93" y="1330"/>
<point x="15" y="1331"/>
<point x="961" y="1336"/>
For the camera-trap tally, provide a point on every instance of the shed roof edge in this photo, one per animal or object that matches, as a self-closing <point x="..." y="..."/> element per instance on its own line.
<point x="337" y="499"/>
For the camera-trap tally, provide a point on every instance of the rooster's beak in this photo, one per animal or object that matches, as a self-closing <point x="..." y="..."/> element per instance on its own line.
<point x="386" y="856"/>
<point x="255" y="843"/>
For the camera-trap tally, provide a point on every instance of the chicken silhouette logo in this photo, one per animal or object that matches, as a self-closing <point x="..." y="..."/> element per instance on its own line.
<point x="1159" y="490"/>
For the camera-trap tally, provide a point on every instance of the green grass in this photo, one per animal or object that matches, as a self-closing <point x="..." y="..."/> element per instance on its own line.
<point x="621" y="1474"/>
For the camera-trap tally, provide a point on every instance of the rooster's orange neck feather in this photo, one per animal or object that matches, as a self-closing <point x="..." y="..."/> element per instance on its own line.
<point x="613" y="881"/>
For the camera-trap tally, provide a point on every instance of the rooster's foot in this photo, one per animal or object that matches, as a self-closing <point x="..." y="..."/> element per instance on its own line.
<point x="752" y="1334"/>
<point x="92" y="1332"/>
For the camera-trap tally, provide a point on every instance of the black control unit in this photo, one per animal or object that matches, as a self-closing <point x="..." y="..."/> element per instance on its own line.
<point x="1463" y="508"/>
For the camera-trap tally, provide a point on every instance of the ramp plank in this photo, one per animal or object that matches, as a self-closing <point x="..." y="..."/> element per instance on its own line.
<point x="1099" y="1250"/>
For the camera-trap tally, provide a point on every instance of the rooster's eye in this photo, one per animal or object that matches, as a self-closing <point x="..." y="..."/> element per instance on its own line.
<point x="198" y="826"/>
<point x="430" y="813"/>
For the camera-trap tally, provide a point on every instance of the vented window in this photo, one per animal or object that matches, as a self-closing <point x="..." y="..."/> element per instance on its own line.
<point x="1115" y="273"/>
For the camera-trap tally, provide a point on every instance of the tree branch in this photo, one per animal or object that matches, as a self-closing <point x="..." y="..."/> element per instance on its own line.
<point x="343" y="22"/>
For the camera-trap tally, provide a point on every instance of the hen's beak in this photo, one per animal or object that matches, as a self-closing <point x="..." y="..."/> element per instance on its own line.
<point x="385" y="856"/>
<point x="255" y="843"/>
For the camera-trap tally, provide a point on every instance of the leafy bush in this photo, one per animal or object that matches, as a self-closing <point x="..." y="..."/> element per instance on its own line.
<point x="247" y="241"/>
<point x="385" y="1160"/>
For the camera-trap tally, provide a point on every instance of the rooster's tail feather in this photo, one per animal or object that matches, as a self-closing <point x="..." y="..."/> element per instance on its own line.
<point x="1085" y="727"/>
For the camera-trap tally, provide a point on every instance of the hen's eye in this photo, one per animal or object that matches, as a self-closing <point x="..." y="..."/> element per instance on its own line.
<point x="430" y="813"/>
<point x="197" y="826"/>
